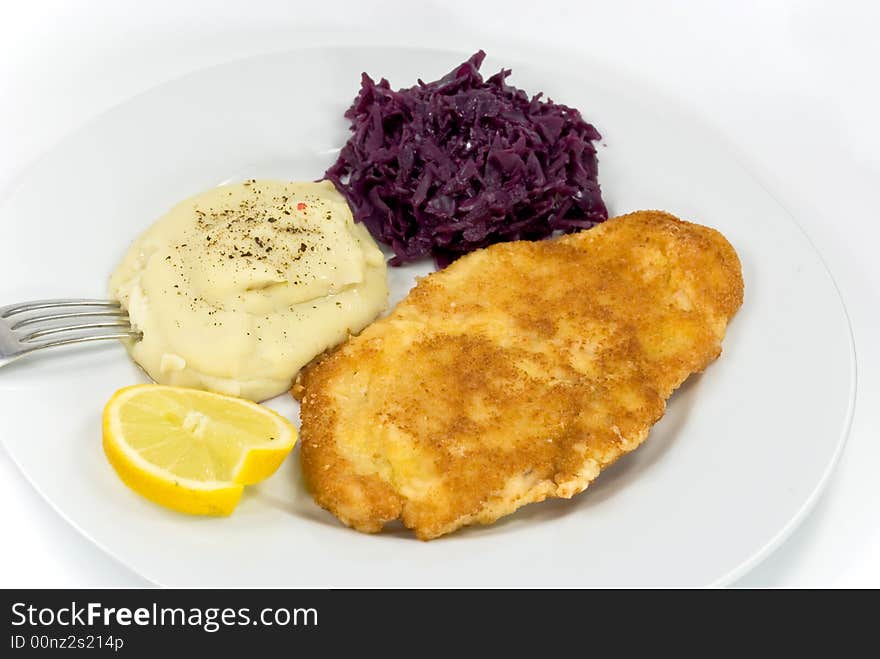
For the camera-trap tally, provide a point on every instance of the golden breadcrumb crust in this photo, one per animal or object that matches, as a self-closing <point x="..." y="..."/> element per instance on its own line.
<point x="516" y="374"/>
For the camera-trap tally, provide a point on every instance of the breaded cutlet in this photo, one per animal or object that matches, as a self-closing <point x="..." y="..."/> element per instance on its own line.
<point x="517" y="373"/>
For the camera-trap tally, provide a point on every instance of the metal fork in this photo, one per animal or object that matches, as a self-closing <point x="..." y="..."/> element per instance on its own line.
<point x="59" y="323"/>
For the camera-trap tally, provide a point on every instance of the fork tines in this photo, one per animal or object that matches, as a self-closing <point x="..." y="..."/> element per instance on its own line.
<point x="25" y="307"/>
<point x="50" y="323"/>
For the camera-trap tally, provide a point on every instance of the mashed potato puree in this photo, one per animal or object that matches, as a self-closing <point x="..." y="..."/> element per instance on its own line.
<point x="236" y="289"/>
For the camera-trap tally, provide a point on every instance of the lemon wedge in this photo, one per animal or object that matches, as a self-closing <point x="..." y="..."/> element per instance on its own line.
<point x="191" y="450"/>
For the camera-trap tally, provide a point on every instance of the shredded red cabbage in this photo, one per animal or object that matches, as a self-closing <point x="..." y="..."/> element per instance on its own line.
<point x="447" y="167"/>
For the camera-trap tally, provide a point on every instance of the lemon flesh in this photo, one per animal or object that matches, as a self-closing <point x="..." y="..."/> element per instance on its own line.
<point x="190" y="450"/>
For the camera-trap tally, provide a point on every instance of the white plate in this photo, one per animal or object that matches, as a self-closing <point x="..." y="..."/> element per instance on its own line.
<point x="741" y="455"/>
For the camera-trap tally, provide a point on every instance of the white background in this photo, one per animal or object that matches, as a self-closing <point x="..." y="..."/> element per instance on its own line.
<point x="792" y="85"/>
